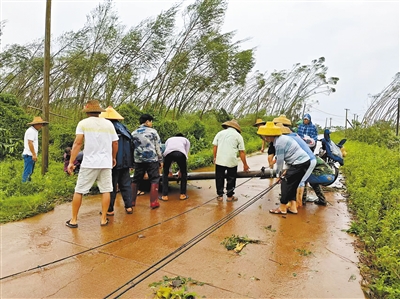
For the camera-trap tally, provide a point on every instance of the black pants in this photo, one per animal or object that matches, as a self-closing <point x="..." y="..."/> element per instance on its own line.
<point x="231" y="173"/>
<point x="123" y="179"/>
<point x="291" y="181"/>
<point x="180" y="159"/>
<point x="152" y="169"/>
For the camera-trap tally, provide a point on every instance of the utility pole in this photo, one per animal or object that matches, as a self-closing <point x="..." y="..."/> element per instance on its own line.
<point x="326" y="122"/>
<point x="330" y="122"/>
<point x="345" y="123"/>
<point x="46" y="87"/>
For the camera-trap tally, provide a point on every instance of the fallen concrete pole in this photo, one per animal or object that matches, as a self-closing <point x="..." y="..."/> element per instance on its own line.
<point x="265" y="173"/>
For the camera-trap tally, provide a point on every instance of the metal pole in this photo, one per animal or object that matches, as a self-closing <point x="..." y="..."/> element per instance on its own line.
<point x="46" y="87"/>
<point x="345" y="122"/>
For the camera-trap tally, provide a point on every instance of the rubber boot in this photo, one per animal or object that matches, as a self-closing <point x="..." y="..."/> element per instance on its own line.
<point x="134" y="193"/>
<point x="299" y="196"/>
<point x="321" y="198"/>
<point x="154" y="204"/>
<point x="304" y="199"/>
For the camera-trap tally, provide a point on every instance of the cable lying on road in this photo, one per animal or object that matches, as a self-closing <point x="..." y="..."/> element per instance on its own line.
<point x="183" y="248"/>
<point x="121" y="238"/>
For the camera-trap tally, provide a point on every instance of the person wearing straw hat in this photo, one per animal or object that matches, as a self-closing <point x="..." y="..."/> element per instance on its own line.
<point x="227" y="143"/>
<point x="259" y="122"/>
<point x="121" y="177"/>
<point x="99" y="157"/>
<point x="31" y="147"/>
<point x="287" y="150"/>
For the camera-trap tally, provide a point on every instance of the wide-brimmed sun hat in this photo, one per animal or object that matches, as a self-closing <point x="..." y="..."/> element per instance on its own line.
<point x="285" y="130"/>
<point x="111" y="114"/>
<point x="282" y="119"/>
<point x="37" y="120"/>
<point x="232" y="123"/>
<point x="269" y="130"/>
<point x="259" y="121"/>
<point x="93" y="106"/>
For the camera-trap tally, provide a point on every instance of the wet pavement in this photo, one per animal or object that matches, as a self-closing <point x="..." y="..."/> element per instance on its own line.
<point x="308" y="255"/>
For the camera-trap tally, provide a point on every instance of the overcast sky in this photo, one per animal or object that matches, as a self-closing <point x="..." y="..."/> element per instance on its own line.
<point x="359" y="39"/>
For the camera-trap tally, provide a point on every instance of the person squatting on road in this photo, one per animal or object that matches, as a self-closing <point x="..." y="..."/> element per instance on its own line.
<point x="322" y="174"/>
<point x="176" y="150"/>
<point x="289" y="151"/>
<point x="307" y="128"/>
<point x="227" y="143"/>
<point x="99" y="157"/>
<point x="147" y="158"/>
<point x="121" y="177"/>
<point x="31" y="147"/>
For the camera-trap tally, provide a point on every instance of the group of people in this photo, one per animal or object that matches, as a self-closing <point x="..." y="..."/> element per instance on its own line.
<point x="297" y="151"/>
<point x="111" y="151"/>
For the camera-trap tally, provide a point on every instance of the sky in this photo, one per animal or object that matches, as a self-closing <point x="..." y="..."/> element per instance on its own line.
<point x="359" y="39"/>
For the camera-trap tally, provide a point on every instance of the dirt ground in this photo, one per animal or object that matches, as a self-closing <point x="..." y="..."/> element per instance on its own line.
<point x="308" y="255"/>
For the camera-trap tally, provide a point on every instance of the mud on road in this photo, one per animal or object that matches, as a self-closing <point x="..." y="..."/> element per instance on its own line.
<point x="308" y="255"/>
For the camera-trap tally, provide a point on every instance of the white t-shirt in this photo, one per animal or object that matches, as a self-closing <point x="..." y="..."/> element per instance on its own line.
<point x="99" y="133"/>
<point x="229" y="142"/>
<point x="31" y="134"/>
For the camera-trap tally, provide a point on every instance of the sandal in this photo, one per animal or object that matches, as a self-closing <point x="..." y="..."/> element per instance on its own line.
<point x="141" y="193"/>
<point x="163" y="198"/>
<point x="108" y="213"/>
<point x="104" y="224"/>
<point x="70" y="225"/>
<point x="290" y="211"/>
<point x="277" y="211"/>
<point x="233" y="198"/>
<point x="183" y="197"/>
<point x="220" y="198"/>
<point x="129" y="210"/>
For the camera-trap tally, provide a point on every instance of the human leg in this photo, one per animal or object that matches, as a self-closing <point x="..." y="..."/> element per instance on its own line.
<point x="167" y="164"/>
<point x="231" y="183"/>
<point x="124" y="182"/>
<point x="181" y="161"/>
<point x="154" y="177"/>
<point x="321" y="197"/>
<point x="28" y="168"/>
<point x="219" y="179"/>
<point x="137" y="180"/>
<point x="76" y="204"/>
<point x="113" y="194"/>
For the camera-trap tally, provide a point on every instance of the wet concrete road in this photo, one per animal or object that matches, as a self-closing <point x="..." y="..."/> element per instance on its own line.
<point x="97" y="262"/>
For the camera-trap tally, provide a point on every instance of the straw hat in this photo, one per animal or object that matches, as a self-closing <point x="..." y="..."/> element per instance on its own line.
<point x="282" y="119"/>
<point x="93" y="106"/>
<point x="38" y="120"/>
<point x="111" y="114"/>
<point x="285" y="130"/>
<point x="259" y="122"/>
<point x="269" y="130"/>
<point x="232" y="123"/>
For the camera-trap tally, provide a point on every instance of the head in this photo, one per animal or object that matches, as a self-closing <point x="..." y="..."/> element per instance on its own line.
<point x="92" y="108"/>
<point x="111" y="114"/>
<point x="232" y="124"/>
<point x="283" y="120"/>
<point x="285" y="130"/>
<point x="147" y="120"/>
<point x="38" y="122"/>
<point x="179" y="135"/>
<point x="259" y="122"/>
<point x="306" y="119"/>
<point x="269" y="132"/>
<point x="67" y="150"/>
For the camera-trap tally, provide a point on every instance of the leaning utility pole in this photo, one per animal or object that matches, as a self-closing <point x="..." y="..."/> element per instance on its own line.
<point x="46" y="87"/>
<point x="345" y="123"/>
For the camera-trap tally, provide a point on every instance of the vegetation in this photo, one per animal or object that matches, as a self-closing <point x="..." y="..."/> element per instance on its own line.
<point x="372" y="173"/>
<point x="174" y="288"/>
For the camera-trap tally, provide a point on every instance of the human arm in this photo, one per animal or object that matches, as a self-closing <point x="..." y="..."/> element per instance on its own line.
<point x="215" y="149"/>
<point x="242" y="155"/>
<point x="32" y="149"/>
<point x="114" y="152"/>
<point x="262" y="146"/>
<point x="76" y="147"/>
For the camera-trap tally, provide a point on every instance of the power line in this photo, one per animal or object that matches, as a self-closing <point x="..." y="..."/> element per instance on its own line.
<point x="327" y="112"/>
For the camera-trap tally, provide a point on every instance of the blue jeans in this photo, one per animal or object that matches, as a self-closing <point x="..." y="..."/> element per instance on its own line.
<point x="29" y="166"/>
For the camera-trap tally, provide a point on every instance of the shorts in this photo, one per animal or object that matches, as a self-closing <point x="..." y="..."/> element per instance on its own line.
<point x="87" y="177"/>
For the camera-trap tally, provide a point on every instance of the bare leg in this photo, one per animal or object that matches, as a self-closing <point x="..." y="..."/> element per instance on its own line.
<point x="105" y="202"/>
<point x="76" y="204"/>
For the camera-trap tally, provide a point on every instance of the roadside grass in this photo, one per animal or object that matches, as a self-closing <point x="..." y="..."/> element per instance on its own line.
<point x="372" y="176"/>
